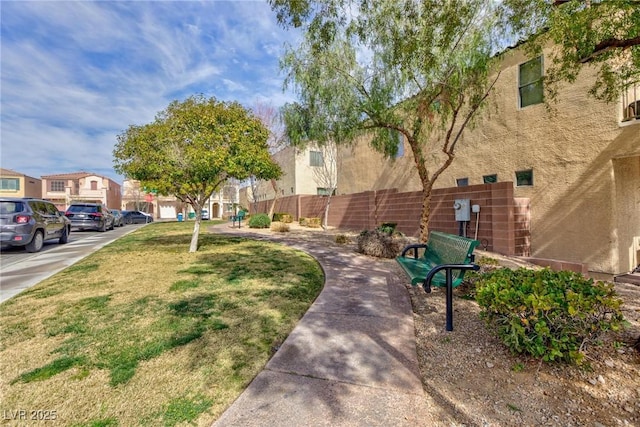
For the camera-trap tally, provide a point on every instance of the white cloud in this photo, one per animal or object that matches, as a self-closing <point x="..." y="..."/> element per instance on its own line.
<point x="75" y="74"/>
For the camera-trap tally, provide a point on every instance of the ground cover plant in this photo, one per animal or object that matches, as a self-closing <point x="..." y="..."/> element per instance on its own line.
<point x="548" y="314"/>
<point x="144" y="333"/>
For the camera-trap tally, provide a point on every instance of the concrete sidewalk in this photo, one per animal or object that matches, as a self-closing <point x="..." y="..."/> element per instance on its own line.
<point x="350" y="361"/>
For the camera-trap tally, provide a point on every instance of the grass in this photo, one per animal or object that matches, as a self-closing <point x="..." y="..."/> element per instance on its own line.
<point x="144" y="333"/>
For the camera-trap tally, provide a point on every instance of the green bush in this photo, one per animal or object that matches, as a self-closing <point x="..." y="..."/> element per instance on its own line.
<point x="387" y="227"/>
<point x="546" y="314"/>
<point x="260" y="220"/>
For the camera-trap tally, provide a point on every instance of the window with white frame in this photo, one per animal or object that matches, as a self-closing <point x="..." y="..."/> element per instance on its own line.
<point x="530" y="89"/>
<point x="315" y="158"/>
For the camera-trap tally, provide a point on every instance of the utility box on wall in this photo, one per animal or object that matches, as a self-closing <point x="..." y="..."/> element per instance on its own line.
<point x="462" y="209"/>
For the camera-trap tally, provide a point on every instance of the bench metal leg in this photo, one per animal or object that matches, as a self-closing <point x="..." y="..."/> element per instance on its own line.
<point x="449" y="326"/>
<point x="449" y="283"/>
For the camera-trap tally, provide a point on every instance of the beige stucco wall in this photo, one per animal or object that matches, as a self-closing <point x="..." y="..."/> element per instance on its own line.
<point x="584" y="201"/>
<point x="28" y="186"/>
<point x="297" y="177"/>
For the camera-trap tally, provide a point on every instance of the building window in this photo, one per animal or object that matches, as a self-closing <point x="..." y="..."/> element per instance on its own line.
<point x="325" y="191"/>
<point x="490" y="179"/>
<point x="524" y="178"/>
<point x="57" y="186"/>
<point x="94" y="185"/>
<point x="462" y="182"/>
<point x="10" y="184"/>
<point x="530" y="82"/>
<point x="400" y="146"/>
<point x="316" y="158"/>
<point x="631" y="103"/>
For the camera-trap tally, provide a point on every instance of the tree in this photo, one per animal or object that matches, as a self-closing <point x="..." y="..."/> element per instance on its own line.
<point x="326" y="176"/>
<point x="270" y="117"/>
<point x="388" y="68"/>
<point x="602" y="33"/>
<point x="192" y="148"/>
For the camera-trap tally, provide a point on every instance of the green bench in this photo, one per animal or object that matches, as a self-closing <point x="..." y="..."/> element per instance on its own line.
<point x="237" y="218"/>
<point x="441" y="262"/>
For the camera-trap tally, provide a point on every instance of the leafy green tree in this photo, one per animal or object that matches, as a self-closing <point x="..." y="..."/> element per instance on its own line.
<point x="192" y="148"/>
<point x="602" y="33"/>
<point x="391" y="68"/>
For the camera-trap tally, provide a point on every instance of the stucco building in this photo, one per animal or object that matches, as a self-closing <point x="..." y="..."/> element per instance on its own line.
<point x="64" y="189"/>
<point x="578" y="164"/>
<point x="16" y="184"/>
<point x="312" y="170"/>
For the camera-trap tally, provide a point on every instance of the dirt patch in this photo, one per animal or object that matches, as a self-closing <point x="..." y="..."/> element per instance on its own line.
<point x="479" y="382"/>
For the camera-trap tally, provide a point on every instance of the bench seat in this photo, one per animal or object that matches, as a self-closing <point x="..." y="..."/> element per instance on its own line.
<point x="441" y="262"/>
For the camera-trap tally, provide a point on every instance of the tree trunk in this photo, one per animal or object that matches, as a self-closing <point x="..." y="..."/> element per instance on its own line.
<point x="275" y="197"/>
<point x="194" y="237"/>
<point x="425" y="216"/>
<point x="325" y="221"/>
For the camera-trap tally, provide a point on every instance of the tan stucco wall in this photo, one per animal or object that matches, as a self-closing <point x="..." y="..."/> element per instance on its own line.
<point x="583" y="209"/>
<point x="29" y="186"/>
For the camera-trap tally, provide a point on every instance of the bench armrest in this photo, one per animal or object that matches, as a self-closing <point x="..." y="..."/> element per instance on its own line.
<point x="414" y="248"/>
<point x="427" y="280"/>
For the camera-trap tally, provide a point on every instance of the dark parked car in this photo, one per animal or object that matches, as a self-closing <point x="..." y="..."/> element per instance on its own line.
<point x="118" y="221"/>
<point x="91" y="216"/>
<point x="136" y="217"/>
<point x="29" y="222"/>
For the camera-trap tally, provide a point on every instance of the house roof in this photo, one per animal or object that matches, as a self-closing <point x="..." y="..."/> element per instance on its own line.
<point x="73" y="175"/>
<point x="11" y="172"/>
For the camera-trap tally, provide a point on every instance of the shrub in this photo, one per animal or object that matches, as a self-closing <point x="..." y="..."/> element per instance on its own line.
<point x="282" y="217"/>
<point x="260" y="220"/>
<point x="549" y="315"/>
<point x="342" y="239"/>
<point x="379" y="244"/>
<point x="387" y="227"/>
<point x="302" y="221"/>
<point x="280" y="227"/>
<point x="313" y="222"/>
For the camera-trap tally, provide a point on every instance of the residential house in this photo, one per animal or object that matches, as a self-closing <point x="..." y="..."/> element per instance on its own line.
<point x="16" y="184"/>
<point x="578" y="165"/>
<point x="136" y="197"/>
<point x="311" y="170"/>
<point x="64" y="189"/>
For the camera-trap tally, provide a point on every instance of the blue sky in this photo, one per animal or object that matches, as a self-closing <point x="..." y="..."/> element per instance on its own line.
<point x="76" y="74"/>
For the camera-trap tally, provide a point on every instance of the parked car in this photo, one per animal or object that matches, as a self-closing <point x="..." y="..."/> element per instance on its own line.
<point x="136" y="217"/>
<point x="118" y="221"/>
<point x="205" y="214"/>
<point x="92" y="216"/>
<point x="30" y="222"/>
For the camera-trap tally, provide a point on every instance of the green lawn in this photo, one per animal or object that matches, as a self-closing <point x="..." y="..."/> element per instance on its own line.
<point x="144" y="333"/>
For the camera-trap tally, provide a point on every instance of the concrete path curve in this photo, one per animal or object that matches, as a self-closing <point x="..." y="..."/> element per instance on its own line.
<point x="350" y="361"/>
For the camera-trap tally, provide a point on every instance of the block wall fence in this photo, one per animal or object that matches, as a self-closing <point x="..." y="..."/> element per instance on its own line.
<point x="502" y="225"/>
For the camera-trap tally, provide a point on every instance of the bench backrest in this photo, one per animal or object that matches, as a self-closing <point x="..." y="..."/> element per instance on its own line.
<point x="443" y="248"/>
